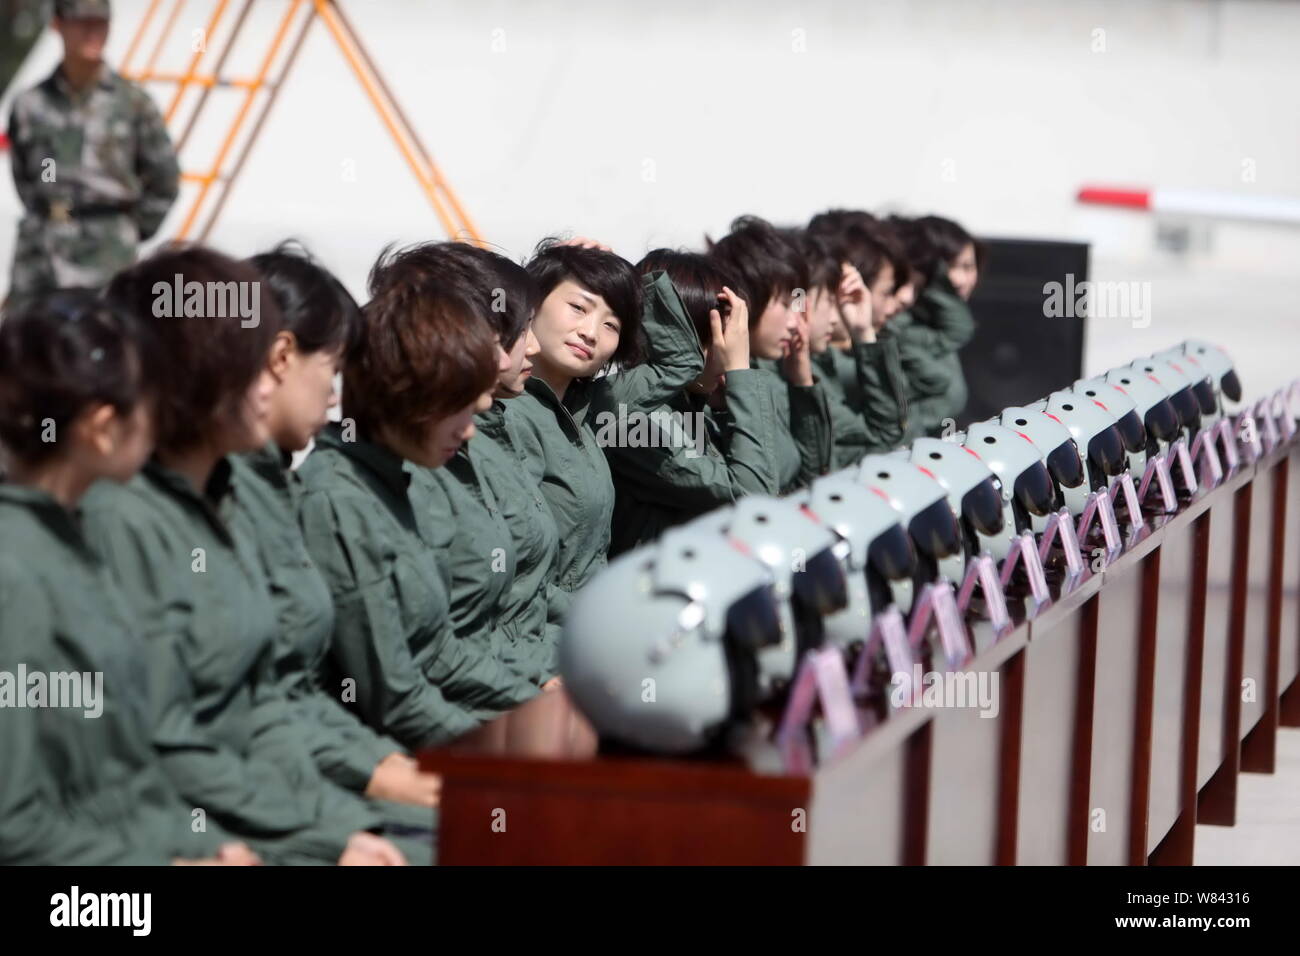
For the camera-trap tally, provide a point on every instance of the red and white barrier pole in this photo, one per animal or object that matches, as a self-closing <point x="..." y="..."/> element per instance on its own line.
<point x="1197" y="202"/>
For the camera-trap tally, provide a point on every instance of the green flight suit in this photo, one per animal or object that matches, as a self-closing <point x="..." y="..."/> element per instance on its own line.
<point x="884" y="379"/>
<point x="804" y="445"/>
<point x="379" y="553"/>
<point x="557" y="440"/>
<point x="343" y="748"/>
<point x="707" y="458"/>
<point x="869" y="420"/>
<point x="74" y="788"/>
<point x="535" y="540"/>
<point x="479" y="565"/>
<point x="227" y="736"/>
<point x="929" y="341"/>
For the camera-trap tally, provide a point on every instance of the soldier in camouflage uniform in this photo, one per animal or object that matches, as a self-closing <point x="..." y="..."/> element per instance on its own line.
<point x="92" y="162"/>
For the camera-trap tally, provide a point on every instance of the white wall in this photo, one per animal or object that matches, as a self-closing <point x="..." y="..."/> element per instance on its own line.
<point x="649" y="124"/>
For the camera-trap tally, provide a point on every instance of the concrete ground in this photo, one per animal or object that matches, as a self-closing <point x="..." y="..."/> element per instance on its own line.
<point x="1268" y="816"/>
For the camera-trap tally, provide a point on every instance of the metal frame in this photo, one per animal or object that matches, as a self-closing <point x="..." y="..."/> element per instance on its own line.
<point x="216" y="181"/>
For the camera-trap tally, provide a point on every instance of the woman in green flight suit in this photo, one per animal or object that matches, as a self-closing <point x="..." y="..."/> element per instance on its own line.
<point x="228" y="738"/>
<point x="946" y="260"/>
<point x="424" y="366"/>
<point x="588" y="320"/>
<point x="868" y="375"/>
<point x="838" y="295"/>
<point x="531" y="610"/>
<point x="479" y="561"/>
<point x="771" y="271"/>
<point x="321" y="323"/>
<point x="721" y="428"/>
<point x="82" y="784"/>
<point x="502" y="556"/>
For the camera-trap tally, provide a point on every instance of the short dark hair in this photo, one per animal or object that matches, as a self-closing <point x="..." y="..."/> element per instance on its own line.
<point x="822" y="259"/>
<point x="932" y="242"/>
<point x="513" y="295"/>
<point x="426" y="351"/>
<point x="697" y="279"/>
<point x="61" y="353"/>
<point x="317" y="309"/>
<point x="506" y="295"/>
<point x="864" y="242"/>
<point x="887" y="235"/>
<point x="211" y="360"/>
<point x="765" y="263"/>
<point x="868" y="247"/>
<point x="609" y="276"/>
<point x="833" y="223"/>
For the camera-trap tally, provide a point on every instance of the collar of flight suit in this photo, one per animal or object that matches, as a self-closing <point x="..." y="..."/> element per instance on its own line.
<point x="47" y="509"/>
<point x="271" y="462"/>
<point x="466" y="467"/>
<point x="218" y="494"/>
<point x="492" y="423"/>
<point x="389" y="466"/>
<point x="573" y="404"/>
<point x="461" y="466"/>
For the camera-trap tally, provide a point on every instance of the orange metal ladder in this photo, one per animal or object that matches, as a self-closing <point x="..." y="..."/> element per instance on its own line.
<point x="215" y="182"/>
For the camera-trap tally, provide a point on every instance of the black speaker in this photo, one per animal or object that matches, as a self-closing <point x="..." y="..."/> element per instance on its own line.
<point x="1019" y="353"/>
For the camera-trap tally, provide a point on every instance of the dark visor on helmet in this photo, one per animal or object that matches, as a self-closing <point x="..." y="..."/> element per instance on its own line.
<point x="982" y="507"/>
<point x="1187" y="407"/>
<point x="1205" y="396"/>
<point x="1034" y="489"/>
<point x="752" y="620"/>
<point x="1231" y="385"/>
<point x="892" y="554"/>
<point x="1066" y="466"/>
<point x="935" y="531"/>
<point x="1106" y="452"/>
<point x="1132" y="432"/>
<point x="822" y="585"/>
<point x="1162" y="421"/>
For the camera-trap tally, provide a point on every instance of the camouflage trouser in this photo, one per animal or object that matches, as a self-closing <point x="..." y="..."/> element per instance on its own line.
<point x="83" y="253"/>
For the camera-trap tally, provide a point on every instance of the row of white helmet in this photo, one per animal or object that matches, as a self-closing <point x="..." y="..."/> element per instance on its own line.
<point x="677" y="642"/>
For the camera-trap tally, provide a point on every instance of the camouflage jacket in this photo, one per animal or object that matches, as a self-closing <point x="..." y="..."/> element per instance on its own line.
<point x="103" y="146"/>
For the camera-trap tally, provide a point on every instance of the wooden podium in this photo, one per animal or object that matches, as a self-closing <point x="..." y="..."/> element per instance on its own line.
<point x="525" y="789"/>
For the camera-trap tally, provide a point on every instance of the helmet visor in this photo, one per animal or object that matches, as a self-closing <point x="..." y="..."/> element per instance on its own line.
<point x="1034" y="489"/>
<point x="1132" y="432"/>
<point x="935" y="531"/>
<point x="982" y="507"/>
<point x="1162" y="421"/>
<point x="892" y="553"/>
<point x="1066" y="466"/>
<point x="1106" y="452"/>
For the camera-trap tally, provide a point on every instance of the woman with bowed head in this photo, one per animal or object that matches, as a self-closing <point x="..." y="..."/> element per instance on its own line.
<point x="321" y="325"/>
<point x="424" y="366"/>
<point x="226" y="735"/>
